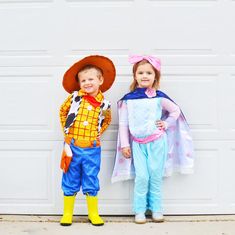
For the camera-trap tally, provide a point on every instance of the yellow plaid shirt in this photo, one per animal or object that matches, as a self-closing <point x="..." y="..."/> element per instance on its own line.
<point x="85" y="126"/>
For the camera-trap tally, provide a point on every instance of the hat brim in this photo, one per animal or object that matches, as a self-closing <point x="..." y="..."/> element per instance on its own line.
<point x="70" y="83"/>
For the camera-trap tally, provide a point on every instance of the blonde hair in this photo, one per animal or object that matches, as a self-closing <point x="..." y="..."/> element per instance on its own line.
<point x="88" y="67"/>
<point x="156" y="83"/>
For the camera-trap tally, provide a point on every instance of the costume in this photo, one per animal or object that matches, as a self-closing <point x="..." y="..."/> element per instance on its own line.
<point x="84" y="123"/>
<point x="180" y="156"/>
<point x="158" y="134"/>
<point x="84" y="117"/>
<point x="174" y="146"/>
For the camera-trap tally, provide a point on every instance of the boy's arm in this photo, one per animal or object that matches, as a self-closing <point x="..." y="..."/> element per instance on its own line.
<point x="64" y="110"/>
<point x="67" y="153"/>
<point x="106" y="121"/>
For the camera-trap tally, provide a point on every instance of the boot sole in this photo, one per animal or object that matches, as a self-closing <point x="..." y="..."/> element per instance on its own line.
<point x="65" y="224"/>
<point x="101" y="224"/>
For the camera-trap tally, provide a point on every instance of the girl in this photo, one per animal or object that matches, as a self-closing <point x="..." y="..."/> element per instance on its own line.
<point x="154" y="133"/>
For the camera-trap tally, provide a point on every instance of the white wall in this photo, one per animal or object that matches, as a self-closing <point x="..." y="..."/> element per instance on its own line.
<point x="39" y="40"/>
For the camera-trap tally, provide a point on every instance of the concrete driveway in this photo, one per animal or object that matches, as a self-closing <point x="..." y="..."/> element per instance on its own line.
<point x="174" y="225"/>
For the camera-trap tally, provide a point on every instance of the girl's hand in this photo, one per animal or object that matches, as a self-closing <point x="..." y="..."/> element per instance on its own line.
<point x="126" y="152"/>
<point x="161" y="125"/>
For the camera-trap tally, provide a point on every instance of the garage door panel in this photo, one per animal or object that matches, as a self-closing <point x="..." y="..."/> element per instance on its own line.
<point x="205" y="189"/>
<point x="27" y="178"/>
<point x="195" y="87"/>
<point x="30" y="103"/>
<point x="26" y="172"/>
<point x="229" y="103"/>
<point x="18" y="90"/>
<point x="228" y="174"/>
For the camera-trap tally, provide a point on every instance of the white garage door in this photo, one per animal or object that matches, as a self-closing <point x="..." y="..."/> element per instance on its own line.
<point x="40" y="39"/>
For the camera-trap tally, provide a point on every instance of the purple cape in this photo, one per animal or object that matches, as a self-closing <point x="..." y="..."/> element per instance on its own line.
<point x="180" y="156"/>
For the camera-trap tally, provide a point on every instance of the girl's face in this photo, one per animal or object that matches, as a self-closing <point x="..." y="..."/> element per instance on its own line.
<point x="145" y="76"/>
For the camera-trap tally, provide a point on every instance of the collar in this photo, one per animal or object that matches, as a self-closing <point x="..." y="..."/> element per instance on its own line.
<point x="141" y="93"/>
<point x="94" y="101"/>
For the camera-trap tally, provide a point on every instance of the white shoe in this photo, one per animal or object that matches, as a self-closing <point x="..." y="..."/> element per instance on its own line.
<point x="157" y="217"/>
<point x="140" y="218"/>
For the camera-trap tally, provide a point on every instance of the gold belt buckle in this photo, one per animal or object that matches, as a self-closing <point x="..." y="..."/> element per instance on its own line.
<point x="83" y="143"/>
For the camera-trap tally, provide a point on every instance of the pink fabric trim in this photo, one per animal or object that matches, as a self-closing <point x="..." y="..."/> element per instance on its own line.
<point x="158" y="133"/>
<point x="150" y="92"/>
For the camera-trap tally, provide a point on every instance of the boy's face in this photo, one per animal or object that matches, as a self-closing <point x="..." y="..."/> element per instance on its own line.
<point x="89" y="81"/>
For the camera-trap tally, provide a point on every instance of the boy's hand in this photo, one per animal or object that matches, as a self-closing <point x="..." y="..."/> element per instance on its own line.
<point x="126" y="152"/>
<point x="66" y="158"/>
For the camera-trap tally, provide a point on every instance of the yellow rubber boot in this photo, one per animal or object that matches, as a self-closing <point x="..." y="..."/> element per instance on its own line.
<point x="93" y="215"/>
<point x="67" y="218"/>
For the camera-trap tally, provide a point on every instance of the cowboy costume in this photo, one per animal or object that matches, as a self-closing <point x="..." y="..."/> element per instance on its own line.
<point x="84" y="118"/>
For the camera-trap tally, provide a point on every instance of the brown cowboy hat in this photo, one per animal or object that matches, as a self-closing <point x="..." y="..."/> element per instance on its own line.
<point x="70" y="83"/>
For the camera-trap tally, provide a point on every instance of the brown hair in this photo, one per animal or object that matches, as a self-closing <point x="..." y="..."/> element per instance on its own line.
<point x="156" y="83"/>
<point x="90" y="66"/>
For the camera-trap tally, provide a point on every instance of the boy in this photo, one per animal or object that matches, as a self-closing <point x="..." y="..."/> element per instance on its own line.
<point x="84" y="116"/>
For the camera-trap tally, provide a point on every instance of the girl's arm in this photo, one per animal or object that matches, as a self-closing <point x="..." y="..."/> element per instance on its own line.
<point x="172" y="109"/>
<point x="123" y="126"/>
<point x="124" y="131"/>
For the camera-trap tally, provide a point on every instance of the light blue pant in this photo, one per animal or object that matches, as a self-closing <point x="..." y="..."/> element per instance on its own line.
<point x="149" y="162"/>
